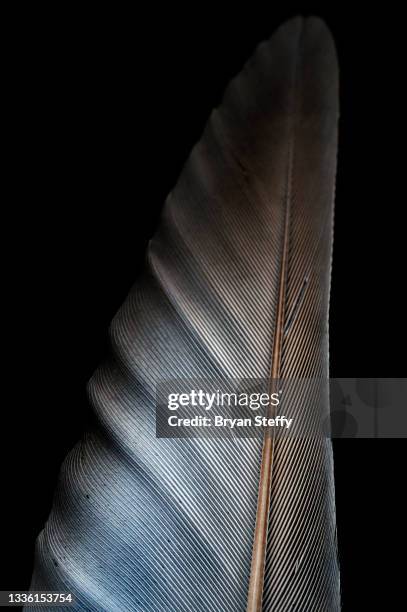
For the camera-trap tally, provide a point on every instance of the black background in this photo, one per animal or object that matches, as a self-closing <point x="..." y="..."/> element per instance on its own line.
<point x="103" y="109"/>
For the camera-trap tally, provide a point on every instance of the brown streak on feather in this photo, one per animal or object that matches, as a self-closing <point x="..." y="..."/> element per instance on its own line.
<point x="256" y="581"/>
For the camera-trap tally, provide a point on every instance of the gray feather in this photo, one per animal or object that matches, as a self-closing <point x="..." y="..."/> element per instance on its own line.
<point x="148" y="524"/>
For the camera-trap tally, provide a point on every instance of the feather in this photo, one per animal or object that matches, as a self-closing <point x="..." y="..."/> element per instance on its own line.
<point x="236" y="285"/>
